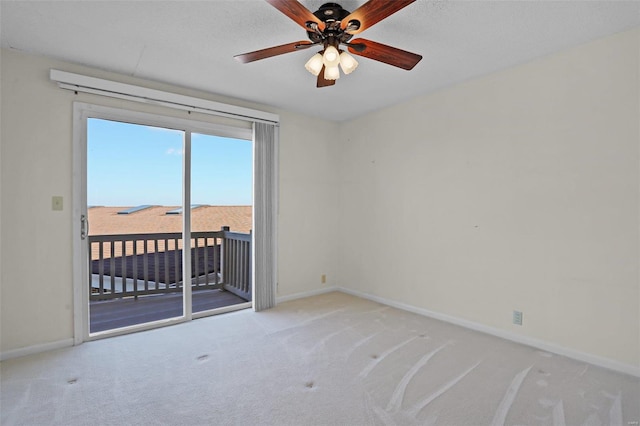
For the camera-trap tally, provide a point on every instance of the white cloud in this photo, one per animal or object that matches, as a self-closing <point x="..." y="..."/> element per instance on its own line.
<point x="174" y="151"/>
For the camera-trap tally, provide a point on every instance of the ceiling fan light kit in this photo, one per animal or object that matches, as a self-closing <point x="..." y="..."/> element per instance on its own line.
<point x="331" y="26"/>
<point x="331" y="59"/>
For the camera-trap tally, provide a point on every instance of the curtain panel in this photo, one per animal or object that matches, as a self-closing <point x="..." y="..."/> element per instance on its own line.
<point x="265" y="221"/>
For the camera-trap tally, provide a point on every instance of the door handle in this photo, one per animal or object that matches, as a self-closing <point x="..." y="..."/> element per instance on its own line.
<point x="84" y="227"/>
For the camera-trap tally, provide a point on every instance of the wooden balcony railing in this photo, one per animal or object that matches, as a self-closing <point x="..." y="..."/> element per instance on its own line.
<point x="132" y="265"/>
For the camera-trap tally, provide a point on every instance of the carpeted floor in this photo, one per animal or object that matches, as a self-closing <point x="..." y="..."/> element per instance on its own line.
<point x="332" y="359"/>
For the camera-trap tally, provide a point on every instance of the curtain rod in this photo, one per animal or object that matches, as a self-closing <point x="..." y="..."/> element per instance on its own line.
<point x="114" y="89"/>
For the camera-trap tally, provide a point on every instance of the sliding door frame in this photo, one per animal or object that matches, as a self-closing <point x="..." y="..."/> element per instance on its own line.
<point x="81" y="113"/>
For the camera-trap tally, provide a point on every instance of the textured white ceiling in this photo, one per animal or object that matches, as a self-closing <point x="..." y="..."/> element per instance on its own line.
<point x="192" y="44"/>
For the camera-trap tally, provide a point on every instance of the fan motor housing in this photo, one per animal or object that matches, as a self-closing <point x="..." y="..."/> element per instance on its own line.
<point x="332" y="15"/>
<point x="331" y="12"/>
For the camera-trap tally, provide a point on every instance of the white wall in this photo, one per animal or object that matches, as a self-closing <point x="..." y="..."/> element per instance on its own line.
<point x="36" y="163"/>
<point x="308" y="205"/>
<point x="515" y="191"/>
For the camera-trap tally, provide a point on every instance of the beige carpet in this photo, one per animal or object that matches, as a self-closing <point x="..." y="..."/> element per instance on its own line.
<point x="331" y="359"/>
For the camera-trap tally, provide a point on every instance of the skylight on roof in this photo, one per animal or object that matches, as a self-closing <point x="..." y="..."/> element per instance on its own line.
<point x="179" y="210"/>
<point x="134" y="209"/>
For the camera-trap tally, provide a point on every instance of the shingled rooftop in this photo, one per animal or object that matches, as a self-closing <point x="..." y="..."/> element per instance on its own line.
<point x="154" y="219"/>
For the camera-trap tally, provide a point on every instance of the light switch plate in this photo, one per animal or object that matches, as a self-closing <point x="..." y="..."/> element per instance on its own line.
<point x="56" y="203"/>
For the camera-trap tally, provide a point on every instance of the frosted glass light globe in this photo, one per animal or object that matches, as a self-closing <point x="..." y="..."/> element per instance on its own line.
<point x="331" y="73"/>
<point x="331" y="57"/>
<point x="348" y="63"/>
<point x="314" y="65"/>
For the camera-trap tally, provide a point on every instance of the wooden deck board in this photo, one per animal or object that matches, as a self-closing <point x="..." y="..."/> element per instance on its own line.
<point x="110" y="314"/>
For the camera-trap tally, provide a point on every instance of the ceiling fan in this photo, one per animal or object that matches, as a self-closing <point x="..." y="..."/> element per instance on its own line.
<point x="330" y="27"/>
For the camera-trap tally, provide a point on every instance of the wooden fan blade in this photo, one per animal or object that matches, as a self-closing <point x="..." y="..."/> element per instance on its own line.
<point x="273" y="51"/>
<point x="383" y="53"/>
<point x="296" y="11"/>
<point x="323" y="82"/>
<point x="373" y="12"/>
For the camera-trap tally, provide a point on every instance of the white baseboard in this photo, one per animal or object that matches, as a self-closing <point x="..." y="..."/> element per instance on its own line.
<point x="30" y="350"/>
<point x="306" y="294"/>
<point x="525" y="340"/>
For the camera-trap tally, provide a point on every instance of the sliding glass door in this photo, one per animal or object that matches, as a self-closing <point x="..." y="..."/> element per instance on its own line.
<point x="166" y="222"/>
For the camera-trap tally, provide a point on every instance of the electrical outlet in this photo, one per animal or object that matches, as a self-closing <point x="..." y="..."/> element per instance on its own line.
<point x="517" y="317"/>
<point x="323" y="279"/>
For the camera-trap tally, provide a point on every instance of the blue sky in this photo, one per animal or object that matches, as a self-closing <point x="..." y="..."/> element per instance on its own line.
<point x="130" y="165"/>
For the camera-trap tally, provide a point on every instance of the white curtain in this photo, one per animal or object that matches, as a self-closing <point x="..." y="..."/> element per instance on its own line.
<point x="265" y="221"/>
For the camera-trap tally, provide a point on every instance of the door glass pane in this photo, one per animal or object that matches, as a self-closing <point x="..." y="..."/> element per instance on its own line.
<point x="221" y="194"/>
<point x="134" y="187"/>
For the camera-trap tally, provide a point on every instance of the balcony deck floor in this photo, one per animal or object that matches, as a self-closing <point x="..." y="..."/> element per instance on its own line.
<point x="117" y="313"/>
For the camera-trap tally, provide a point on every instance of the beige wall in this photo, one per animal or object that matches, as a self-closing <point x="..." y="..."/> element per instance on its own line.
<point x="518" y="190"/>
<point x="36" y="152"/>
<point x="515" y="191"/>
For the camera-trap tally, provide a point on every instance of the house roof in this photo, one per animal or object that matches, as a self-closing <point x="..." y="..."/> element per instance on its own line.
<point x="107" y="221"/>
